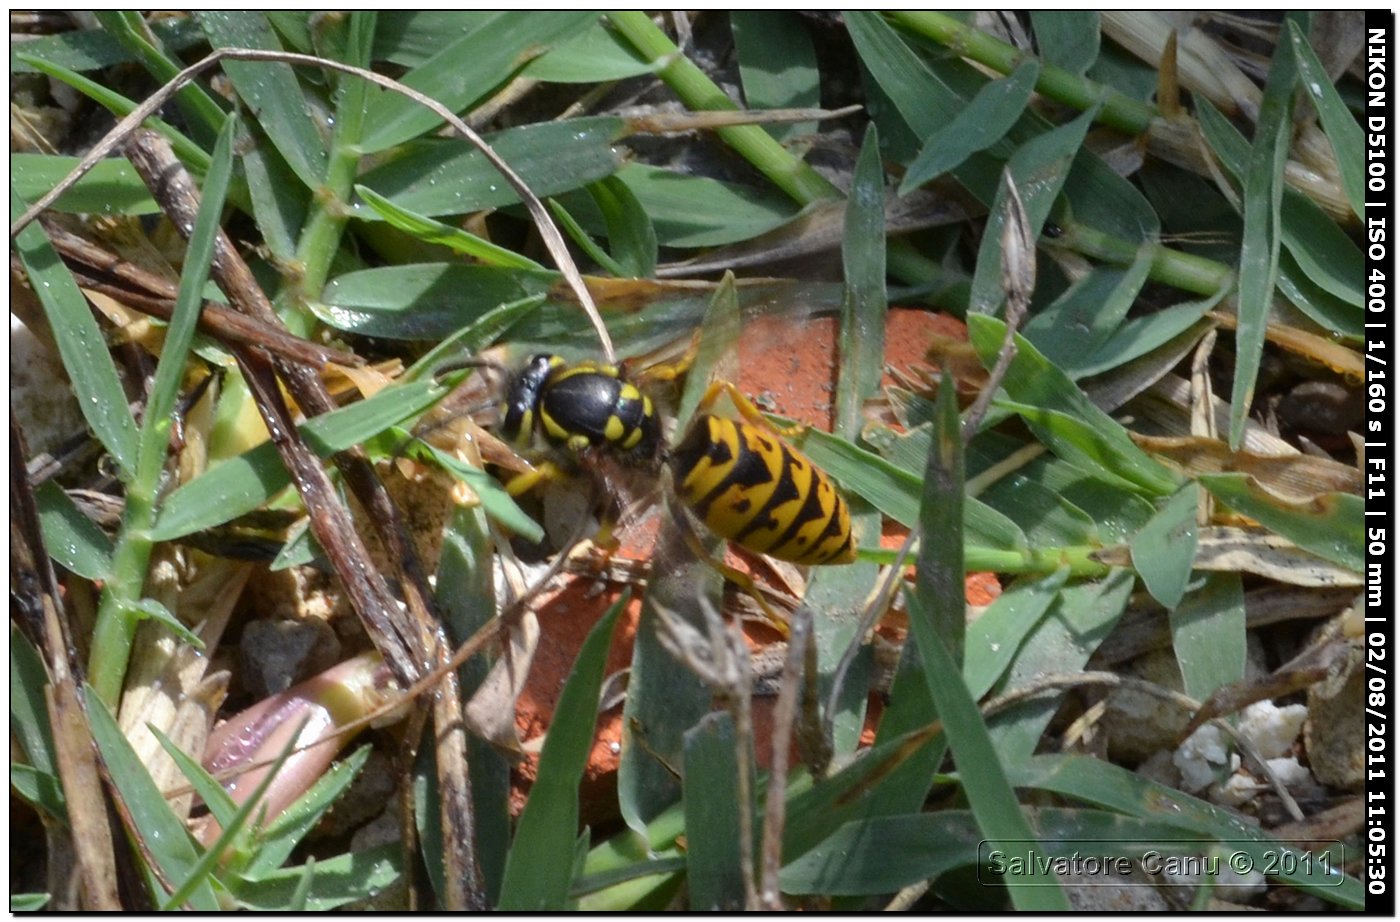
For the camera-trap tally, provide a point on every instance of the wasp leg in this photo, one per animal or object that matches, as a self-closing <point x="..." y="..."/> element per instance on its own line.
<point x="746" y="408"/>
<point x="737" y="577"/>
<point x="657" y="369"/>
<point x="526" y="481"/>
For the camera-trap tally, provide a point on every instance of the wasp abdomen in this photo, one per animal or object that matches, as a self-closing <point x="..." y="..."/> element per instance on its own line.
<point x="747" y="485"/>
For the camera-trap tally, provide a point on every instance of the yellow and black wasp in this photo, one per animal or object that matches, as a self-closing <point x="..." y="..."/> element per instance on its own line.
<point x="738" y="477"/>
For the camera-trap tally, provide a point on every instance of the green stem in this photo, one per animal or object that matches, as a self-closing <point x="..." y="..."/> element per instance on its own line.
<point x="117" y="615"/>
<point x="940" y="287"/>
<point x="699" y="92"/>
<point x="330" y="208"/>
<point x="1080" y="560"/>
<point x="1119" y="111"/>
<point x="1186" y="271"/>
<point x="116" y="618"/>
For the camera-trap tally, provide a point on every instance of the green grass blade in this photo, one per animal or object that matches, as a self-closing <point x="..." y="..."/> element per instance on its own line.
<point x="438" y="177"/>
<point x="1208" y="634"/>
<point x="984" y="122"/>
<point x="1040" y="168"/>
<point x="323" y="884"/>
<point x="29" y="727"/>
<point x="167" y="841"/>
<point x="665" y="698"/>
<point x="1139" y="336"/>
<point x="586" y="243"/>
<point x="1077" y="323"/>
<point x="1048" y="518"/>
<point x="111" y="187"/>
<point x="1034" y="382"/>
<point x="938" y="581"/>
<point x="993" y="801"/>
<point x="427" y="301"/>
<point x="242" y="484"/>
<point x="937" y="624"/>
<point x="137" y="36"/>
<point x="996" y="635"/>
<point x="72" y="538"/>
<point x="896" y="491"/>
<point x="279" y="201"/>
<point x="1325" y="309"/>
<point x="466" y="71"/>
<point x="454" y="238"/>
<point x="597" y="55"/>
<point x="777" y="65"/>
<point x="1324" y="253"/>
<point x="1337" y="121"/>
<point x="272" y="91"/>
<point x="1069" y="39"/>
<point x="80" y="344"/>
<point x="1166" y="547"/>
<point x="630" y="232"/>
<point x="191" y="154"/>
<point x="287" y="831"/>
<point x="1259" y="249"/>
<point x="221" y="805"/>
<point x="85" y="50"/>
<point x="713" y="864"/>
<point x="540" y="866"/>
<point x="1062" y="642"/>
<point x="179" y="333"/>
<point x="861" y="345"/>
<point x="410" y="37"/>
<point x="696" y="211"/>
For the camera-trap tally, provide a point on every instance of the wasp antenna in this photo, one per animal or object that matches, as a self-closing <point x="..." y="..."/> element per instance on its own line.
<point x="470" y="362"/>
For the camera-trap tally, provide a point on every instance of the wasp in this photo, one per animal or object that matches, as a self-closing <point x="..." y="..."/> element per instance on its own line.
<point x="738" y="477"/>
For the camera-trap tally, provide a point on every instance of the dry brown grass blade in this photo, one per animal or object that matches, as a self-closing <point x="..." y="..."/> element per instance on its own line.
<point x="1344" y="361"/>
<point x="1230" y="549"/>
<point x="491" y="711"/>
<point x="465" y="887"/>
<point x="1017" y="282"/>
<point x="35" y="590"/>
<point x="1294" y="476"/>
<point x="100" y="270"/>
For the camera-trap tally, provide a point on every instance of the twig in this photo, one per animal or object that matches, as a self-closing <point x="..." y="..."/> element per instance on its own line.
<point x="775" y="799"/>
